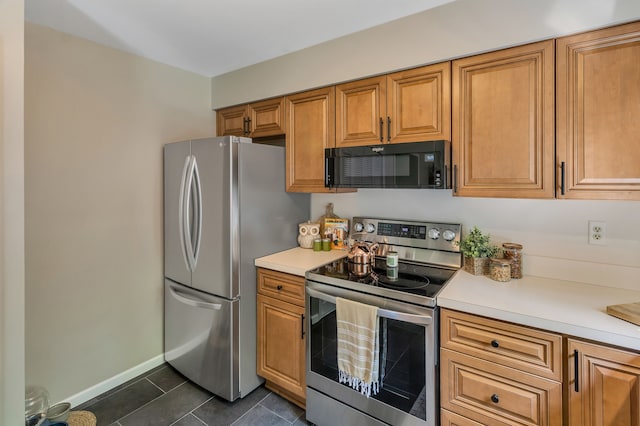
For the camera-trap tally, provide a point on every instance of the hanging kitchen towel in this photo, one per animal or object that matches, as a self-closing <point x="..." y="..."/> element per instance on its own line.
<point x="358" y="345"/>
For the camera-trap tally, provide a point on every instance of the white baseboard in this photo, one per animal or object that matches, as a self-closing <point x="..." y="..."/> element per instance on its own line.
<point x="117" y="380"/>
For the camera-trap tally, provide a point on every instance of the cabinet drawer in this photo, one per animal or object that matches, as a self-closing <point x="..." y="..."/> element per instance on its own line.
<point x="526" y="349"/>
<point x="286" y="287"/>
<point x="447" y="418"/>
<point x="494" y="394"/>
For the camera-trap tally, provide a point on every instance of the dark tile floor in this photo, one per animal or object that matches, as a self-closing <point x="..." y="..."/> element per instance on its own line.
<point x="163" y="397"/>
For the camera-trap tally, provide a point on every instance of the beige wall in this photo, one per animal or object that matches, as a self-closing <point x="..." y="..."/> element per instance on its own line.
<point x="456" y="29"/>
<point x="11" y="212"/>
<point x="95" y="123"/>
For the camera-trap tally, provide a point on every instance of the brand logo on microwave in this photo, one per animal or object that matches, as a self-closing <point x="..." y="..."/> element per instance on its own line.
<point x="377" y="149"/>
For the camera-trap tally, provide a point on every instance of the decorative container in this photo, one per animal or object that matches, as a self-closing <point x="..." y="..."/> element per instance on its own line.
<point x="476" y="265"/>
<point x="500" y="270"/>
<point x="513" y="251"/>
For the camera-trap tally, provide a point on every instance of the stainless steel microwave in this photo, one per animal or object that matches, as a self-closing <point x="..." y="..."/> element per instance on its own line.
<point x="403" y="165"/>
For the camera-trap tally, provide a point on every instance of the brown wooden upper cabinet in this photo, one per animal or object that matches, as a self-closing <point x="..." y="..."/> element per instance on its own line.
<point x="310" y="129"/>
<point x="598" y="114"/>
<point x="503" y="123"/>
<point x="406" y="106"/>
<point x="258" y="119"/>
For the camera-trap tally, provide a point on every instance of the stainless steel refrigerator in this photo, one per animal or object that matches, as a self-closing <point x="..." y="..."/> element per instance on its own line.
<point x="224" y="205"/>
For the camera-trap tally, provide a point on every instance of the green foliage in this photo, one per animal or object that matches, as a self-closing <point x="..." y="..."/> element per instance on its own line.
<point x="476" y="244"/>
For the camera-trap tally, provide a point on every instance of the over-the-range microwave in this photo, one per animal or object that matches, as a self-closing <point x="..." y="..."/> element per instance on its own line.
<point x="402" y="165"/>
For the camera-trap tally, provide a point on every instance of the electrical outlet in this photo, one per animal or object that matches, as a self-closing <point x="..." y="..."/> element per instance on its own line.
<point x="597" y="232"/>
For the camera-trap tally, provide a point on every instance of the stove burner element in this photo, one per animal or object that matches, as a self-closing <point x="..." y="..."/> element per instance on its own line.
<point x="386" y="281"/>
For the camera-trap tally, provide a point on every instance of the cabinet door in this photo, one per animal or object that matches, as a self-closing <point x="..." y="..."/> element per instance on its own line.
<point x="281" y="345"/>
<point x="361" y="112"/>
<point x="231" y="121"/>
<point x="503" y="123"/>
<point x="607" y="392"/>
<point x="598" y="89"/>
<point x="266" y="118"/>
<point x="493" y="394"/>
<point x="310" y="122"/>
<point x="419" y="104"/>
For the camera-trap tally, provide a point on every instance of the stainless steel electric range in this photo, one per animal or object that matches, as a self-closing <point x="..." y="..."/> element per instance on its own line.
<point x="406" y="297"/>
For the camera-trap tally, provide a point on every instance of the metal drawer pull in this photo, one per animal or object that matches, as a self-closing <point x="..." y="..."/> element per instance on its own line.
<point x="494" y="398"/>
<point x="384" y="313"/>
<point x="495" y="343"/>
<point x="279" y="287"/>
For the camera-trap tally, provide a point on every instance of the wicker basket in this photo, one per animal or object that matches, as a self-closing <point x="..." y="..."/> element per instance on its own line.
<point x="81" y="418"/>
<point x="476" y="265"/>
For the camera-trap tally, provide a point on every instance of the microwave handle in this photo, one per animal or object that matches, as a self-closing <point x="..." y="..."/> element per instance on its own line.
<point x="328" y="171"/>
<point x="384" y="313"/>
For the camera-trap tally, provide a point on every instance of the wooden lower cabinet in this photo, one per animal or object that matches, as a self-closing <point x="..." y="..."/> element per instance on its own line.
<point x="607" y="392"/>
<point x="496" y="373"/>
<point x="281" y="334"/>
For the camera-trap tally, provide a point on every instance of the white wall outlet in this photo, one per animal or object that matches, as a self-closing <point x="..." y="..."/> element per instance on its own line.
<point x="597" y="232"/>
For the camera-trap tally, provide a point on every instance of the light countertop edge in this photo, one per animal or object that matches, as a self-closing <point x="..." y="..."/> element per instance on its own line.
<point x="297" y="261"/>
<point x="567" y="307"/>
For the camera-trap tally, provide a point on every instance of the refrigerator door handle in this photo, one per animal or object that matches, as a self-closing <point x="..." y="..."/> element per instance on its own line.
<point x="186" y="223"/>
<point x="182" y="210"/>
<point x="192" y="301"/>
<point x="197" y="234"/>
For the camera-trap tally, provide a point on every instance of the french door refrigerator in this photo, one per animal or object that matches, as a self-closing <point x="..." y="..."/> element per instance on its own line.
<point x="224" y="205"/>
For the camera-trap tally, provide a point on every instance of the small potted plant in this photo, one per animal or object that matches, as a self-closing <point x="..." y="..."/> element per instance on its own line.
<point x="476" y="249"/>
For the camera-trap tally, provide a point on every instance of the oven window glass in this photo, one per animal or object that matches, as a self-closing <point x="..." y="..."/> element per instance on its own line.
<point x="402" y="358"/>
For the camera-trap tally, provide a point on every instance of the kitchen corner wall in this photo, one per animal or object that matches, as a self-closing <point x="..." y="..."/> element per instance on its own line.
<point x="95" y="123"/>
<point x="11" y="212"/>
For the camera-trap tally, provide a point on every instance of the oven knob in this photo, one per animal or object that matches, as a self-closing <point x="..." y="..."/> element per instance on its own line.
<point x="370" y="227"/>
<point x="434" y="234"/>
<point x="358" y="227"/>
<point x="449" y="235"/>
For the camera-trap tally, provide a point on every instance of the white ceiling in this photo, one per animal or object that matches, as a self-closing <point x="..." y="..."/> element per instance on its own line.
<point x="212" y="37"/>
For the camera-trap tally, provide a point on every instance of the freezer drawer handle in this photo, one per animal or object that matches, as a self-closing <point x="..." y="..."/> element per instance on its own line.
<point x="383" y="313"/>
<point x="194" y="302"/>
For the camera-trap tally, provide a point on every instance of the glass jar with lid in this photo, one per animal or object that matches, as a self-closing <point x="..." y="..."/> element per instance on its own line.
<point x="500" y="269"/>
<point x="513" y="251"/>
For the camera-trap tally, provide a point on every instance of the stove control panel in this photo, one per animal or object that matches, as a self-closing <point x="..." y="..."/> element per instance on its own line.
<point x="428" y="235"/>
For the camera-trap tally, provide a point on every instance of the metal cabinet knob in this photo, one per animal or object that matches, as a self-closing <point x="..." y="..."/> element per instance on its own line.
<point x="495" y="343"/>
<point x="494" y="398"/>
<point x="279" y="287"/>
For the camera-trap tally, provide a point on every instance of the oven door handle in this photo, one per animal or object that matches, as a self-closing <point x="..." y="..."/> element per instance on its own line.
<point x="384" y="313"/>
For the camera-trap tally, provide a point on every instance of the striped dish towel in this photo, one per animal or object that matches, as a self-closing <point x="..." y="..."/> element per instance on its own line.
<point x="358" y="345"/>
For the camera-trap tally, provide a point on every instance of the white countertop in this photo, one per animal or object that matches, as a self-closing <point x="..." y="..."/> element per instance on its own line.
<point x="568" y="307"/>
<point x="297" y="260"/>
<point x="573" y="308"/>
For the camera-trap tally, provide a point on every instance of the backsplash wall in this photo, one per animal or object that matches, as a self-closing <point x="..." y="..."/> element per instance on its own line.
<point x="553" y="232"/>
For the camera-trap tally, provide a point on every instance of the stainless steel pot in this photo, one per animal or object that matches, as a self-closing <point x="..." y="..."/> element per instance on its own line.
<point x="362" y="252"/>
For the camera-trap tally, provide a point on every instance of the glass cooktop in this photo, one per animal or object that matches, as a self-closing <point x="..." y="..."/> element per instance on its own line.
<point x="420" y="280"/>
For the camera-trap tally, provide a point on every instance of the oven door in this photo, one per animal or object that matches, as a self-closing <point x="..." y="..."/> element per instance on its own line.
<point x="408" y="361"/>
